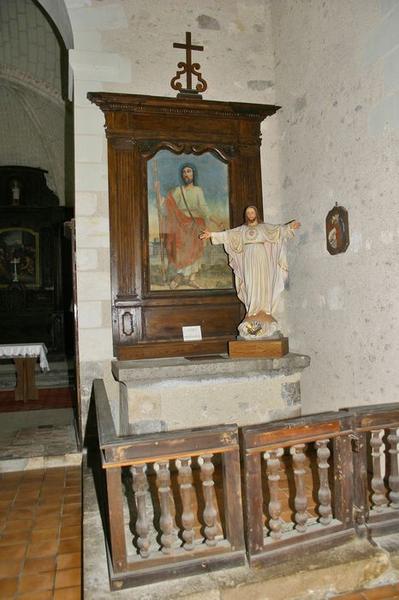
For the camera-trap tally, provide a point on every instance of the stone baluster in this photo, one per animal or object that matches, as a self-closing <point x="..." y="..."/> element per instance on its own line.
<point x="393" y="478"/>
<point x="378" y="499"/>
<point x="324" y="492"/>
<point x="185" y="480"/>
<point x="166" y="519"/>
<point x="210" y="512"/>
<point x="140" y="488"/>
<point x="300" y="501"/>
<point x="273" y="466"/>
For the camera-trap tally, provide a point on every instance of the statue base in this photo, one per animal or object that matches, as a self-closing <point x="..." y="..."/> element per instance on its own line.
<point x="258" y="348"/>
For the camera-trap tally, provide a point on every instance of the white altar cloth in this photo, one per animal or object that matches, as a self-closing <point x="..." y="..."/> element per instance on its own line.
<point x="23" y="350"/>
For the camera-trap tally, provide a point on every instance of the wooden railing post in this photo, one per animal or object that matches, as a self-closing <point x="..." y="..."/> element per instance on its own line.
<point x="343" y="472"/>
<point x="232" y="498"/>
<point x="393" y="479"/>
<point x="379" y="500"/>
<point x="273" y="475"/>
<point x="115" y="513"/>
<point x="324" y="493"/>
<point x="300" y="501"/>
<point x="253" y="503"/>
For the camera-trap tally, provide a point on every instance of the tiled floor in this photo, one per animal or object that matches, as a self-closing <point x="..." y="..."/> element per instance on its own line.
<point x="43" y="440"/>
<point x="386" y="592"/>
<point x="40" y="534"/>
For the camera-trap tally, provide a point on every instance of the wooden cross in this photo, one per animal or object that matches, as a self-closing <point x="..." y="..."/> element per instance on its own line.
<point x="189" y="68"/>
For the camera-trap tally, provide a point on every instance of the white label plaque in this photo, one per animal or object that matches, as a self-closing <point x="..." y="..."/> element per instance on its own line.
<point x="192" y="333"/>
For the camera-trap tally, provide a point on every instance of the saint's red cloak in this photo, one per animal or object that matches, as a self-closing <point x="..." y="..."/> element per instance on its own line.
<point x="182" y="244"/>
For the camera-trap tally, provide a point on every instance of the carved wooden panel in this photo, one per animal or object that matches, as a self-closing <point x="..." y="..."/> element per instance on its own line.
<point x="147" y="321"/>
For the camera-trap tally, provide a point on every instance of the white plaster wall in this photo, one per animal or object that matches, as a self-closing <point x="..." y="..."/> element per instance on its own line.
<point x="126" y="46"/>
<point x="337" y="140"/>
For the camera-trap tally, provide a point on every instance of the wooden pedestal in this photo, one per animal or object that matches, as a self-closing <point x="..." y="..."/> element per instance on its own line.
<point x="258" y="348"/>
<point x="26" y="385"/>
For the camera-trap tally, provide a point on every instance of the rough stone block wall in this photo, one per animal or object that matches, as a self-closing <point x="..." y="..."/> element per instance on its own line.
<point x="337" y="141"/>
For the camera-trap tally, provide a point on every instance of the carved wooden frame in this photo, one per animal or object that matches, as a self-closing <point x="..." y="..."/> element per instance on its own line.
<point x="148" y="324"/>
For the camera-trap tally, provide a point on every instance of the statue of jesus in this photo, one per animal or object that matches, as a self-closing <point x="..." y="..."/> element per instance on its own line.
<point x="257" y="255"/>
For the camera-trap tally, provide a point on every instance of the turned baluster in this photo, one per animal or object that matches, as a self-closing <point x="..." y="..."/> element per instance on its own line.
<point x="393" y="478"/>
<point x="273" y="466"/>
<point x="210" y="512"/>
<point x="378" y="499"/>
<point x="140" y="488"/>
<point x="301" y="501"/>
<point x="185" y="480"/>
<point x="166" y="519"/>
<point x="324" y="493"/>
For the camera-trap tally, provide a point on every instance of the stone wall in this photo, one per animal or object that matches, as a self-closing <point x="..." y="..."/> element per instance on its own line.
<point x="337" y="140"/>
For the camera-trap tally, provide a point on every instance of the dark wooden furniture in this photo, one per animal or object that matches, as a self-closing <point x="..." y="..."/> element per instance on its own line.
<point x="34" y="263"/>
<point x="303" y="457"/>
<point x="149" y="323"/>
<point x="309" y="483"/>
<point x="166" y="484"/>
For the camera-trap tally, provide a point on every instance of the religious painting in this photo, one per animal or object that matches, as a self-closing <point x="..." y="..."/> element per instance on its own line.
<point x="187" y="194"/>
<point x="19" y="257"/>
<point x="337" y="230"/>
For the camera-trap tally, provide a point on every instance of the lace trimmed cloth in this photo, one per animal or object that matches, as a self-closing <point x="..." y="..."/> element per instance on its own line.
<point x="23" y="350"/>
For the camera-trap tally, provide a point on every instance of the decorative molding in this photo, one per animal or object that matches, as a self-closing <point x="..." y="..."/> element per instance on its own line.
<point x="15" y="76"/>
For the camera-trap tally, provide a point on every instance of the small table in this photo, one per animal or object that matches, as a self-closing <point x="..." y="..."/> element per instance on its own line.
<point x="25" y="357"/>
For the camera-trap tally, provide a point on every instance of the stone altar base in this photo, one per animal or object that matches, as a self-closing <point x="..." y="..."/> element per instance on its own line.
<point x="258" y="348"/>
<point x="179" y="393"/>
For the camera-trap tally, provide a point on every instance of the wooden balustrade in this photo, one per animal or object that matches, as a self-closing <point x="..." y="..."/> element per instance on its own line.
<point x="307" y="472"/>
<point x="174" y="498"/>
<point x="376" y="489"/>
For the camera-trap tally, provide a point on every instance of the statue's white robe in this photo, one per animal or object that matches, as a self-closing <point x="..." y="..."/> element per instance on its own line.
<point x="257" y="255"/>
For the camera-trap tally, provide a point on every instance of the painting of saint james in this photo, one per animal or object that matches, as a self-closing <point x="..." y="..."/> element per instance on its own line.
<point x="185" y="196"/>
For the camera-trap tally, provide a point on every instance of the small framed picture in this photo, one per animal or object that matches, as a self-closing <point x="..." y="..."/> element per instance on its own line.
<point x="337" y="230"/>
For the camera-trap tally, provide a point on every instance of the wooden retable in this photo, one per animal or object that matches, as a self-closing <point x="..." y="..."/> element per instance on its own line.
<point x="25" y="357"/>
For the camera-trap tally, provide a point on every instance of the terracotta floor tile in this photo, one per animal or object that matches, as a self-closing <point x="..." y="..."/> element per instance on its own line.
<point x="70" y="520"/>
<point x="8" y="494"/>
<point x="22" y="513"/>
<point x="73" y="489"/>
<point x="35" y="583"/>
<point x="68" y="546"/>
<point x="379" y="593"/>
<point x="50" y="500"/>
<point x="67" y="578"/>
<point x="39" y="565"/>
<point x="42" y="595"/>
<point x="72" y="509"/>
<point x="13" y="552"/>
<point x="350" y="596"/>
<point x="41" y="549"/>
<point x="10" y="568"/>
<point x="40" y="535"/>
<point x="72" y="593"/>
<point x="29" y="486"/>
<point x="18" y="524"/>
<point x="72" y="499"/>
<point x="47" y="511"/>
<point x="69" y="561"/>
<point x="47" y="521"/>
<point x="70" y="532"/>
<point x="8" y="587"/>
<point x="22" y="535"/>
